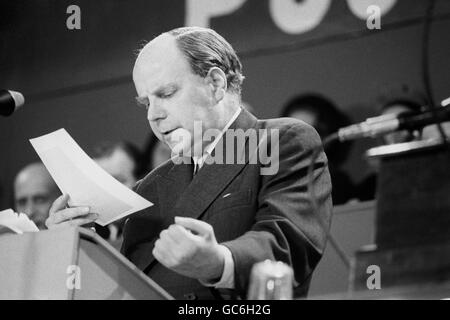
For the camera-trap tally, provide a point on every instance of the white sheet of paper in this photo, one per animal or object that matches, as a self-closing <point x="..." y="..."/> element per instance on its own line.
<point x="84" y="181"/>
<point x="17" y="222"/>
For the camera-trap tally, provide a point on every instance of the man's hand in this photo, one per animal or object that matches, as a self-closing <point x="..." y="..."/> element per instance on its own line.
<point x="60" y="216"/>
<point x="193" y="254"/>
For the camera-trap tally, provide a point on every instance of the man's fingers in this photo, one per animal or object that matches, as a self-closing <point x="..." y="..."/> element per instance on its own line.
<point x="178" y="233"/>
<point x="59" y="204"/>
<point x="161" y="253"/>
<point x="198" y="226"/>
<point x="72" y="213"/>
<point x="82" y="221"/>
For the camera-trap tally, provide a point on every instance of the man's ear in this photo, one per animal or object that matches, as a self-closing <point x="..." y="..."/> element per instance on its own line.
<point x="218" y="81"/>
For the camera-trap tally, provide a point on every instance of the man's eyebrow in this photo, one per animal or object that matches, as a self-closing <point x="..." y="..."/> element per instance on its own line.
<point x="157" y="91"/>
<point x="164" y="87"/>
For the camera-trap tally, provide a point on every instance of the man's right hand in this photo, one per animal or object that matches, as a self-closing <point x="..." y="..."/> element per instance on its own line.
<point x="61" y="216"/>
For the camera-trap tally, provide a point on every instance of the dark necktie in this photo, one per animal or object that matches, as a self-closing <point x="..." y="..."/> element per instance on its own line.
<point x="195" y="169"/>
<point x="186" y="171"/>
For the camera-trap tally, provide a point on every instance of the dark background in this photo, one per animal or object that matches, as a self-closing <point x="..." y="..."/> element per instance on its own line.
<point x="80" y="80"/>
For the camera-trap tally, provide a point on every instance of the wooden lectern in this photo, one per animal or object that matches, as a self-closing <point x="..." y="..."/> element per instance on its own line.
<point x="412" y="239"/>
<point x="69" y="263"/>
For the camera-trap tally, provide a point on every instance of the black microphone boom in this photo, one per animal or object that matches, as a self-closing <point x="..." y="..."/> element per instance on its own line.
<point x="10" y="101"/>
<point x="376" y="126"/>
<point x="419" y="120"/>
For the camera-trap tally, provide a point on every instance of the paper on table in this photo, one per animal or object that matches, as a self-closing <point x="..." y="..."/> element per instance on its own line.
<point x="17" y="222"/>
<point x="86" y="182"/>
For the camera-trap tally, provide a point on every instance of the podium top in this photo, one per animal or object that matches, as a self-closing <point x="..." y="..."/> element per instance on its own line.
<point x="41" y="265"/>
<point x="404" y="148"/>
<point x="91" y="236"/>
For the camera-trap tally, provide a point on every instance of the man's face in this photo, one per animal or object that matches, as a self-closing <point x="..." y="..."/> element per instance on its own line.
<point x="176" y="97"/>
<point x="120" y="166"/>
<point x="34" y="193"/>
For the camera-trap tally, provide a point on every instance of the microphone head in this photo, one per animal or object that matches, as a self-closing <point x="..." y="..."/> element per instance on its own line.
<point x="10" y="101"/>
<point x="18" y="98"/>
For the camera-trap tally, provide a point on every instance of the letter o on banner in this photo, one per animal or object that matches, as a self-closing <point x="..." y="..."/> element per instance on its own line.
<point x="298" y="16"/>
<point x="199" y="12"/>
<point x="359" y="7"/>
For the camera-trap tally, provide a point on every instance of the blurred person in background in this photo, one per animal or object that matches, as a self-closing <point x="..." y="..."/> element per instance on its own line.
<point x="326" y="118"/>
<point x="34" y="192"/>
<point x="123" y="161"/>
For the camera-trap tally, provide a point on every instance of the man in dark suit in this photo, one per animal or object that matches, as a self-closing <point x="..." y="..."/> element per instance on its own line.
<point x="222" y="203"/>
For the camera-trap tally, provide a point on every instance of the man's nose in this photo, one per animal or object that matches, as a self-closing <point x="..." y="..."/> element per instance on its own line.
<point x="30" y="209"/>
<point x="156" y="110"/>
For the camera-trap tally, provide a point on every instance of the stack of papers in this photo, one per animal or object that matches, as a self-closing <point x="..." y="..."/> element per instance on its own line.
<point x="17" y="222"/>
<point x="86" y="183"/>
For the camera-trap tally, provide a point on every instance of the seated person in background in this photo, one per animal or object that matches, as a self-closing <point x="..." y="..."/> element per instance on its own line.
<point x="326" y="118"/>
<point x="414" y="102"/>
<point x="34" y="193"/>
<point x="122" y="161"/>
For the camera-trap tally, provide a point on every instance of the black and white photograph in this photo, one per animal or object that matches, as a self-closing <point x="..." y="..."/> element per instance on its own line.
<point x="235" y="152"/>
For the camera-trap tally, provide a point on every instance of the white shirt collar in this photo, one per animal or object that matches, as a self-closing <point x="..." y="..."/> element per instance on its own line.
<point x="198" y="161"/>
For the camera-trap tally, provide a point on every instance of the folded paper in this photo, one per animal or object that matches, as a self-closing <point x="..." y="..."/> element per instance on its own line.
<point x="87" y="184"/>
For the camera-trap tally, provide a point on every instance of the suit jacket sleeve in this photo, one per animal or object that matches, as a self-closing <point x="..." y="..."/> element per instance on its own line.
<point x="286" y="228"/>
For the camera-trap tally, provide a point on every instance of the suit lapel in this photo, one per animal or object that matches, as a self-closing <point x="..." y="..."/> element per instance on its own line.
<point x="180" y="197"/>
<point x="171" y="186"/>
<point x="214" y="177"/>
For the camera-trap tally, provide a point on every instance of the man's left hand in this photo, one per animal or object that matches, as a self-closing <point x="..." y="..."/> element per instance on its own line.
<point x="189" y="247"/>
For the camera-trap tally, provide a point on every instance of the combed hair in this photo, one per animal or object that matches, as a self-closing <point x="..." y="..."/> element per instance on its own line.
<point x="204" y="48"/>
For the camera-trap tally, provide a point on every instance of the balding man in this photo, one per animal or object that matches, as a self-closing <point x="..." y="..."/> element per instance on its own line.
<point x="216" y="212"/>
<point x="34" y="193"/>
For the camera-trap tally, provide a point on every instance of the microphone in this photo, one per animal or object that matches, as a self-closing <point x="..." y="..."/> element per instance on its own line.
<point x="376" y="126"/>
<point x="10" y="101"/>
